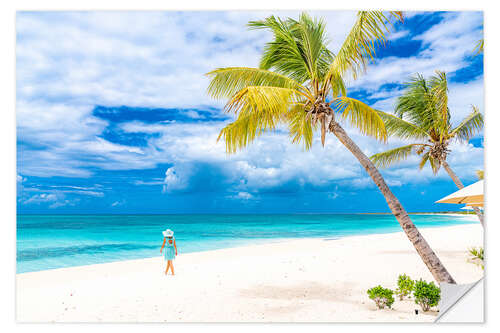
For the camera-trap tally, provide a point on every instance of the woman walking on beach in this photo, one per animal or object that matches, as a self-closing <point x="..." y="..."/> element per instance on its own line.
<point x="170" y="249"/>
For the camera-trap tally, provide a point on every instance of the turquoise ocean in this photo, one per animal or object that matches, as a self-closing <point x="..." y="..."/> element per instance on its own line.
<point x="56" y="241"/>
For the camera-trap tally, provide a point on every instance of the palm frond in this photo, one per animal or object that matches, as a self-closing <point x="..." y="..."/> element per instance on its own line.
<point x="392" y="156"/>
<point x="300" y="126"/>
<point x="299" y="49"/>
<point x="439" y="89"/>
<point x="361" y="42"/>
<point x="226" y="82"/>
<point x="423" y="161"/>
<point x="360" y="115"/>
<point x="313" y="46"/>
<point x="416" y="103"/>
<point x="259" y="109"/>
<point x="435" y="164"/>
<point x="402" y="128"/>
<point x="479" y="46"/>
<point x="472" y="124"/>
<point x="337" y="85"/>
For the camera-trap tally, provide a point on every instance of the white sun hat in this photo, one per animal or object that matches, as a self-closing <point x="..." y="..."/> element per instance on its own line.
<point x="168" y="233"/>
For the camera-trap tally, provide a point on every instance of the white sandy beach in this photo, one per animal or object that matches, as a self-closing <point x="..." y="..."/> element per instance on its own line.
<point x="307" y="280"/>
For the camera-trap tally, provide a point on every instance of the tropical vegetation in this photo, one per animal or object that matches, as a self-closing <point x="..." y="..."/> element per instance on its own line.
<point x="477" y="256"/>
<point x="300" y="84"/>
<point x="405" y="286"/>
<point x="381" y="296"/>
<point x="422" y="116"/>
<point x="426" y="294"/>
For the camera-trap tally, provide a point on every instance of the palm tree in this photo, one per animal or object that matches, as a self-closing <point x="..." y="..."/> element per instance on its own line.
<point x="422" y="115"/>
<point x="299" y="84"/>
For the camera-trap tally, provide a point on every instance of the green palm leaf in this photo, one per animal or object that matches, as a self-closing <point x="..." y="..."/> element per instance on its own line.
<point x="366" y="34"/>
<point x="226" y="82"/>
<point x="298" y="49"/>
<point x="259" y="109"/>
<point x="300" y="126"/>
<point x="439" y="91"/>
<point x="360" y="115"/>
<point x="292" y="82"/>
<point x="472" y="124"/>
<point x="395" y="155"/>
<point x="402" y="128"/>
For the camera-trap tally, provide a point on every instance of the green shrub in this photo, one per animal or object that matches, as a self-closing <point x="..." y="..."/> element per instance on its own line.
<point x="426" y="294"/>
<point x="381" y="296"/>
<point x="405" y="286"/>
<point x="477" y="256"/>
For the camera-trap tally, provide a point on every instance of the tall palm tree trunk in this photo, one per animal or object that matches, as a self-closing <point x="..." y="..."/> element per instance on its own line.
<point x="459" y="184"/>
<point x="423" y="249"/>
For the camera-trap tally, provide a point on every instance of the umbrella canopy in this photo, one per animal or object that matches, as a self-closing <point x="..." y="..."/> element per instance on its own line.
<point x="471" y="195"/>
<point x="467" y="208"/>
<point x="476" y="204"/>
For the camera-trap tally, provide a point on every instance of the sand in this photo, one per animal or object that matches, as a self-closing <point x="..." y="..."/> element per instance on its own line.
<point x="305" y="280"/>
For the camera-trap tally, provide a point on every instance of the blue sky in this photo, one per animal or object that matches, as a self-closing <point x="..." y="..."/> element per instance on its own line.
<point x="113" y="116"/>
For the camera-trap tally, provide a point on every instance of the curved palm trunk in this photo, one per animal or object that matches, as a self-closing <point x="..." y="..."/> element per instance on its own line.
<point x="423" y="249"/>
<point x="459" y="184"/>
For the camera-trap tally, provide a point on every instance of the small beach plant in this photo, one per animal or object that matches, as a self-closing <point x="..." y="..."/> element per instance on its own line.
<point x="381" y="296"/>
<point x="299" y="85"/>
<point x="426" y="294"/>
<point x="405" y="286"/>
<point x="422" y="116"/>
<point x="477" y="256"/>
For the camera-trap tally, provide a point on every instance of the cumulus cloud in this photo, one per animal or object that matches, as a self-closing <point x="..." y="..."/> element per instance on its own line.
<point x="43" y="197"/>
<point x="118" y="203"/>
<point x="67" y="63"/>
<point x="447" y="46"/>
<point x="242" y="196"/>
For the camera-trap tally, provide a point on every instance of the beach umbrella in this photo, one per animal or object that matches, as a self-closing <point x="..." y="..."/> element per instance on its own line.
<point x="476" y="204"/>
<point x="467" y="208"/>
<point x="472" y="195"/>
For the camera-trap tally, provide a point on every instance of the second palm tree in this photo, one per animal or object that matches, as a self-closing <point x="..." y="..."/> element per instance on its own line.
<point x="422" y="115"/>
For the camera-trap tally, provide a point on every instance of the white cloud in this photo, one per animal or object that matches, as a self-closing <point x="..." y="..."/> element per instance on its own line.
<point x="64" y="203"/>
<point x="446" y="47"/>
<point x="43" y="197"/>
<point x="118" y="203"/>
<point x="242" y="196"/>
<point x="69" y="62"/>
<point x="176" y="180"/>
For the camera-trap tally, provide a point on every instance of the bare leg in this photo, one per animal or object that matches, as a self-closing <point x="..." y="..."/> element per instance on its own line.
<point x="171" y="266"/>
<point x="168" y="265"/>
